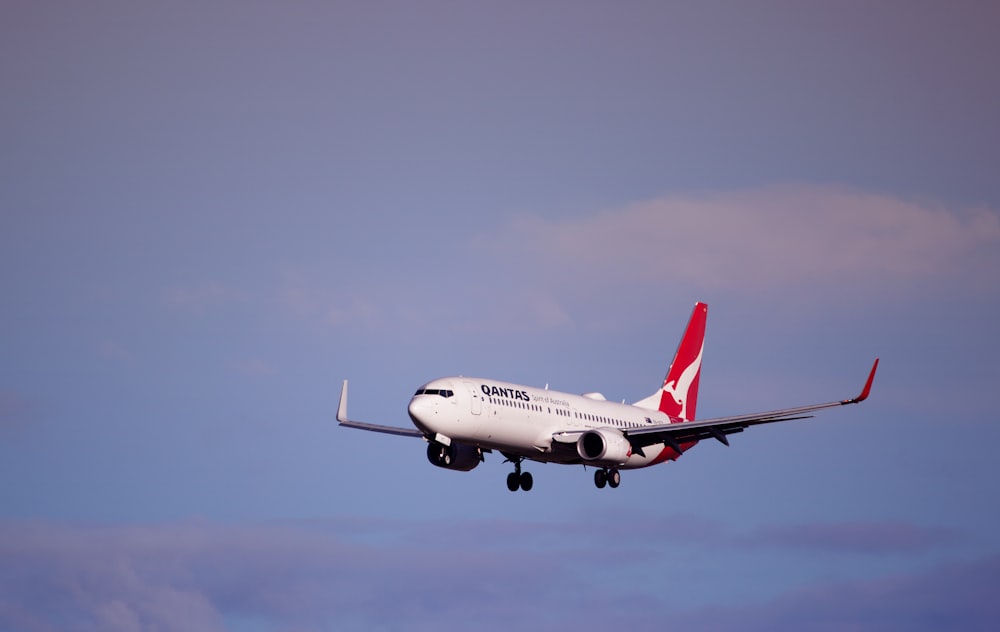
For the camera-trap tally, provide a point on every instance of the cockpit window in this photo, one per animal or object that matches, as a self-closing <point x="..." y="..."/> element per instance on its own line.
<point x="443" y="392"/>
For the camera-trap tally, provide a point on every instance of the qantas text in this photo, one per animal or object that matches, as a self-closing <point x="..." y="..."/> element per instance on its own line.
<point x="509" y="393"/>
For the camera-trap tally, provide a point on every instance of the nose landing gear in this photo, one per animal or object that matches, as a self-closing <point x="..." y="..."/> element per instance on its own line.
<point x="605" y="476"/>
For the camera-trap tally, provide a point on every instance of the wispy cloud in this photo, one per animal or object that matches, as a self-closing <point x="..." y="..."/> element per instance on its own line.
<point x="372" y="573"/>
<point x="761" y="239"/>
<point x="955" y="596"/>
<point x="509" y="309"/>
<point x="189" y="576"/>
<point x="329" y="305"/>
<point x="857" y="537"/>
<point x="532" y="273"/>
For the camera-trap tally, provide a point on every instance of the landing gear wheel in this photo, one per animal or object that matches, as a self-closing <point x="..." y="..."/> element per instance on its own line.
<point x="614" y="478"/>
<point x="526" y="481"/>
<point x="516" y="479"/>
<point x="600" y="479"/>
<point x="513" y="481"/>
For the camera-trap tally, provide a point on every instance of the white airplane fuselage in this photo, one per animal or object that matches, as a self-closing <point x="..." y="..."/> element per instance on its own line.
<point x="522" y="420"/>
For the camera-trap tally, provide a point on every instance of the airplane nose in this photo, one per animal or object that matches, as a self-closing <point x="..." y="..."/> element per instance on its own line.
<point x="421" y="412"/>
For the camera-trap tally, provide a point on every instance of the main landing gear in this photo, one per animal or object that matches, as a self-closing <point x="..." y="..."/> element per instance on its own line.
<point x="605" y="476"/>
<point x="517" y="478"/>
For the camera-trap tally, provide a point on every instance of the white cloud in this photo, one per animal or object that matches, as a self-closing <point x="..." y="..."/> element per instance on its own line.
<point x="761" y="239"/>
<point x="595" y="272"/>
<point x="371" y="573"/>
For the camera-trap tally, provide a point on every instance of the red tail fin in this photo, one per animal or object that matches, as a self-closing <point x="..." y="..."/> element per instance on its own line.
<point x="678" y="396"/>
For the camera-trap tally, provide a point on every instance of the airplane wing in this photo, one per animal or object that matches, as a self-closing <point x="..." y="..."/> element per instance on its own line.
<point x="674" y="434"/>
<point x="344" y="421"/>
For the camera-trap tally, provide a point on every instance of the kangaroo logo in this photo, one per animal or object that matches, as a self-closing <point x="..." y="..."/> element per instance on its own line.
<point x="680" y="390"/>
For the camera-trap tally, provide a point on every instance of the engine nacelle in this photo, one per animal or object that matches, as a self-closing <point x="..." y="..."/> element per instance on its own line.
<point x="456" y="456"/>
<point x="604" y="446"/>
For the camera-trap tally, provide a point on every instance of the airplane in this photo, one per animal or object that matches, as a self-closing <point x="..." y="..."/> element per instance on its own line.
<point x="464" y="418"/>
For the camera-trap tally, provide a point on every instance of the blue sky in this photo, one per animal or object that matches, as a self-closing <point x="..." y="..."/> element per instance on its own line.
<point x="212" y="213"/>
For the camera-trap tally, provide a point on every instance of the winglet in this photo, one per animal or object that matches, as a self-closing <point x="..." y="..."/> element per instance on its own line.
<point x="342" y="408"/>
<point x="867" y="389"/>
<point x="344" y="421"/>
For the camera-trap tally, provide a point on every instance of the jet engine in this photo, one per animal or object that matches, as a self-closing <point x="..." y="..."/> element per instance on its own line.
<point x="604" y="446"/>
<point x="456" y="456"/>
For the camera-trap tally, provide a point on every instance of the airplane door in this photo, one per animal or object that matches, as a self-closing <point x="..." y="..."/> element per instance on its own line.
<point x="476" y="398"/>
